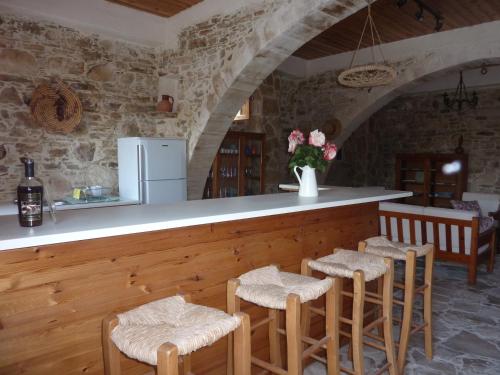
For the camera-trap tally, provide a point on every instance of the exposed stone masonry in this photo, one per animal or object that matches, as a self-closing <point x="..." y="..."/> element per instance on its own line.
<point x="270" y="114"/>
<point x="420" y="123"/>
<point x="116" y="82"/>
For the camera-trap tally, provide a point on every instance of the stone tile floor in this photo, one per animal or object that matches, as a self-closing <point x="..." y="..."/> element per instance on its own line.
<point x="466" y="327"/>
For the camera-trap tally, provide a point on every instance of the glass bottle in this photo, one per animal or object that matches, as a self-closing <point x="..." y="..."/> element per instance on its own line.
<point x="30" y="197"/>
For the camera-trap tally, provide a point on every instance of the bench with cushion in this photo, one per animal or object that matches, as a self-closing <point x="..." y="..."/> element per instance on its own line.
<point x="455" y="234"/>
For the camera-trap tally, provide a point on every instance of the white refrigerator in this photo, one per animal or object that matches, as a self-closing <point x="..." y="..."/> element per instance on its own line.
<point x="152" y="170"/>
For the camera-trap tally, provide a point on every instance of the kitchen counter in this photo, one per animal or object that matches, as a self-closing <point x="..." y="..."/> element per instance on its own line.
<point x="93" y="223"/>
<point x="59" y="281"/>
<point x="10" y="208"/>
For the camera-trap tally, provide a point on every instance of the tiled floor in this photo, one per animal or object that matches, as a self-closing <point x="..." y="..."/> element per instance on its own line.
<point x="466" y="327"/>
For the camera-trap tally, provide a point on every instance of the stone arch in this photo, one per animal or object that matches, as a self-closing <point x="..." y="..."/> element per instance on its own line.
<point x="272" y="40"/>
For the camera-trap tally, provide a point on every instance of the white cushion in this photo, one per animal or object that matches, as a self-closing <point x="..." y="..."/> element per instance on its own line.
<point x="450" y="213"/>
<point x="487" y="202"/>
<point x="398" y="207"/>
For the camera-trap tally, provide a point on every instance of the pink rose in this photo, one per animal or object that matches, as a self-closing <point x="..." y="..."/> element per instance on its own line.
<point x="329" y="151"/>
<point x="295" y="138"/>
<point x="317" y="138"/>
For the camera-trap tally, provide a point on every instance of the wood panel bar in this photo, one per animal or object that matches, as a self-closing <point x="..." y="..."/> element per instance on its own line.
<point x="53" y="298"/>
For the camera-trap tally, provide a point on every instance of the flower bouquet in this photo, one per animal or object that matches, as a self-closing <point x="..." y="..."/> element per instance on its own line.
<point x="315" y="154"/>
<point x="308" y="158"/>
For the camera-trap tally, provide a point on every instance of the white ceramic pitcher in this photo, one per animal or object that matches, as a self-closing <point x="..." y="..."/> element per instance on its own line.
<point x="308" y="185"/>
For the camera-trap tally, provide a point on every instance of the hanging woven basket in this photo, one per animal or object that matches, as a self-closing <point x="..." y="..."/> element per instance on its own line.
<point x="372" y="74"/>
<point x="56" y="107"/>
<point x="367" y="76"/>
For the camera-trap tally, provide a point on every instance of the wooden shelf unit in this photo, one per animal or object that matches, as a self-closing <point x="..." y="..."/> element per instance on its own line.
<point x="238" y="168"/>
<point x="423" y="174"/>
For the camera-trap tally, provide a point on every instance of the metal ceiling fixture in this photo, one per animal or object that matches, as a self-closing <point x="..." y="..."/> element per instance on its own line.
<point x="460" y="97"/>
<point x="368" y="75"/>
<point x="420" y="13"/>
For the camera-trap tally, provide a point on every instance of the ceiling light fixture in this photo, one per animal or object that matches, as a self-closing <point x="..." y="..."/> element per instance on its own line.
<point x="461" y="97"/>
<point x="439" y="21"/>
<point x="374" y="73"/>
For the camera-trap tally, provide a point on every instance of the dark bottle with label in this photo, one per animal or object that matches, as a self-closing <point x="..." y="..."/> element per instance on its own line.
<point x="30" y="197"/>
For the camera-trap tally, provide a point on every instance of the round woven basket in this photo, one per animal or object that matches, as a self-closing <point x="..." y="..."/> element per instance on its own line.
<point x="56" y="107"/>
<point x="367" y="75"/>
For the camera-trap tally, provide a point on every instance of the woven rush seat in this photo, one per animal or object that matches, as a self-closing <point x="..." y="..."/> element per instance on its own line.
<point x="383" y="247"/>
<point x="143" y="330"/>
<point x="344" y="262"/>
<point x="269" y="287"/>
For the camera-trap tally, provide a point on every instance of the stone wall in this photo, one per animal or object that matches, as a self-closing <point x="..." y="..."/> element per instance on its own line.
<point x="271" y="115"/>
<point x="221" y="62"/>
<point x="116" y="82"/>
<point x="283" y="103"/>
<point x="420" y="123"/>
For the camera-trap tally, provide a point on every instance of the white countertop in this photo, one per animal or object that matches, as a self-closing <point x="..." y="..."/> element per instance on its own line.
<point x="75" y="225"/>
<point x="10" y="208"/>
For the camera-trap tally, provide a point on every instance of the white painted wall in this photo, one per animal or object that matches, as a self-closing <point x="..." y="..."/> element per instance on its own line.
<point x="120" y="22"/>
<point x="94" y="16"/>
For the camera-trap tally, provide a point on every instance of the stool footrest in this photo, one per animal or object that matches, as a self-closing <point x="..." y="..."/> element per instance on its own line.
<point x="268" y="366"/>
<point x="260" y="323"/>
<point x="365" y="342"/>
<point x="345" y="320"/>
<point x="315" y="347"/>
<point x="373" y="324"/>
<point x="383" y="369"/>
<point x="317" y="311"/>
<point x="367" y="298"/>
<point x="418" y="328"/>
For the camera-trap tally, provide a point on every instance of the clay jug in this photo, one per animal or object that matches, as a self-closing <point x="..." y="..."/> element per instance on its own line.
<point x="308" y="186"/>
<point x="166" y="104"/>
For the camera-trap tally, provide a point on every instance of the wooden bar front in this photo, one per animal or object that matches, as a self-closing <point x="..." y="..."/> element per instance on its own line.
<point x="53" y="298"/>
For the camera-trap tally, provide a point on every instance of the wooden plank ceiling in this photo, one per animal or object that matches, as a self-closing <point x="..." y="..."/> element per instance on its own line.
<point x="163" y="8"/>
<point x="395" y="23"/>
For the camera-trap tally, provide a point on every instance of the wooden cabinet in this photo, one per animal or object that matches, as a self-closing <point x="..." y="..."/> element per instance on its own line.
<point x="238" y="168"/>
<point x="434" y="179"/>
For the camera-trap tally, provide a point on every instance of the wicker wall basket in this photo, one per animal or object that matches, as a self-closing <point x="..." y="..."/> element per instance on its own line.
<point x="367" y="76"/>
<point x="56" y="107"/>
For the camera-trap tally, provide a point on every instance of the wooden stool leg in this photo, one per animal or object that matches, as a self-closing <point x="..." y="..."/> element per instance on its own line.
<point x="357" y="322"/>
<point x="380" y="287"/>
<point x="388" y="290"/>
<point x="493" y="251"/>
<point x="168" y="360"/>
<point x="306" y="312"/>
<point x="429" y="265"/>
<point x="233" y="306"/>
<point x="110" y="351"/>
<point x="242" y="351"/>
<point x="186" y="365"/>
<point x="274" y="338"/>
<point x="333" y="297"/>
<point x="409" y="293"/>
<point x="293" y="335"/>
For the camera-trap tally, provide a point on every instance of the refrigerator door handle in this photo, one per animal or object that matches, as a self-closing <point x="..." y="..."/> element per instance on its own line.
<point x="140" y="159"/>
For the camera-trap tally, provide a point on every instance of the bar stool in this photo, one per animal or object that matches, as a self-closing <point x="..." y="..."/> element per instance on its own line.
<point x="158" y="333"/>
<point x="361" y="268"/>
<point x="381" y="246"/>
<point x="275" y="290"/>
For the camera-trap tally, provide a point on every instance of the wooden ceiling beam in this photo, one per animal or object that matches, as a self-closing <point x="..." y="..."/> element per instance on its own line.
<point x="163" y="8"/>
<point x="396" y="24"/>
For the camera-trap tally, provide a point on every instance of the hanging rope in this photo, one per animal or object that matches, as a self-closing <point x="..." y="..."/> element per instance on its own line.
<point x="369" y="75"/>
